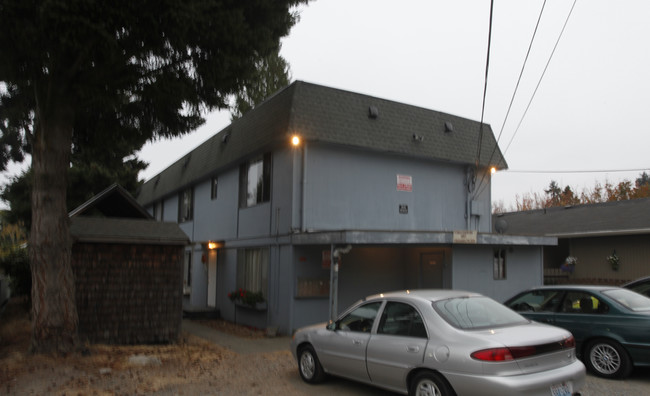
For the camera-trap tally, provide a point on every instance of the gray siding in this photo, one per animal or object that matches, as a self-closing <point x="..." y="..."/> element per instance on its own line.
<point x="216" y="220"/>
<point x="350" y="189"/>
<point x="473" y="266"/>
<point x="633" y="252"/>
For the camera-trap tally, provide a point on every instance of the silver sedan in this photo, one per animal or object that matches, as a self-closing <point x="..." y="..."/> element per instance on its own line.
<point x="440" y="342"/>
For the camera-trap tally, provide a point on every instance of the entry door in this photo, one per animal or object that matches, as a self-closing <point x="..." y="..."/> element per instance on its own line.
<point x="431" y="269"/>
<point x="212" y="278"/>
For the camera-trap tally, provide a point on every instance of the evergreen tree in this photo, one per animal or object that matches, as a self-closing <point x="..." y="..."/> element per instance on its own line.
<point x="150" y="67"/>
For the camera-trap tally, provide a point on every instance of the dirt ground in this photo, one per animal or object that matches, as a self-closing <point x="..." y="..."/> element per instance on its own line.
<point x="191" y="367"/>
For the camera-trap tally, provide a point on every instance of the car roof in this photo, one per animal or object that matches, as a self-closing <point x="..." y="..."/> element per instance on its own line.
<point x="426" y="294"/>
<point x="598" y="288"/>
<point x="637" y="281"/>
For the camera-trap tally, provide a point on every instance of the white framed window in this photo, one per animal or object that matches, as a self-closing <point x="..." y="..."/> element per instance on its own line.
<point x="185" y="205"/>
<point x="255" y="181"/>
<point x="213" y="188"/>
<point x="187" y="272"/>
<point x="499" y="266"/>
<point x="253" y="270"/>
<point x="158" y="210"/>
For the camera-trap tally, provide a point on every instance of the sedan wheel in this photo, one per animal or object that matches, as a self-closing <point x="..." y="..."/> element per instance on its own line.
<point x="429" y="384"/>
<point x="309" y="366"/>
<point x="608" y="359"/>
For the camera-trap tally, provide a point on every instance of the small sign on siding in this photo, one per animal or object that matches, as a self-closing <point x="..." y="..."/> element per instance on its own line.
<point x="404" y="183"/>
<point x="469" y="237"/>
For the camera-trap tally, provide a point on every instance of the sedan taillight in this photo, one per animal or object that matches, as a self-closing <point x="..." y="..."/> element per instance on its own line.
<point x="505" y="354"/>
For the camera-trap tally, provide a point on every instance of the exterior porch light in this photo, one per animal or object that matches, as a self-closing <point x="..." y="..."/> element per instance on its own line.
<point x="493" y="170"/>
<point x="212" y="245"/>
<point x="295" y="140"/>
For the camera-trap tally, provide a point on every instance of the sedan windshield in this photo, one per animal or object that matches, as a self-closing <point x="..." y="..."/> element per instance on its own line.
<point x="476" y="313"/>
<point x="629" y="299"/>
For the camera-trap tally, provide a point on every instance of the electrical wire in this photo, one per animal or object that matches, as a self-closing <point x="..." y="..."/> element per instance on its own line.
<point x="578" y="171"/>
<point x="541" y="77"/>
<point x="514" y="94"/>
<point x="487" y="68"/>
<point x="566" y="21"/>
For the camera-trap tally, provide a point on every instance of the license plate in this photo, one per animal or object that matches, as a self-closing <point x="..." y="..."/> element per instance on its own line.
<point x="563" y="389"/>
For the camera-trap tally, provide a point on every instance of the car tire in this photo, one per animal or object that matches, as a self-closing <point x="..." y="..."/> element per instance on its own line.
<point x="429" y="383"/>
<point x="607" y="359"/>
<point x="309" y="366"/>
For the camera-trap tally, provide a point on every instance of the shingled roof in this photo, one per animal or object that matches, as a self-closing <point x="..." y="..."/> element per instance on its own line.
<point x="114" y="216"/>
<point x="611" y="218"/>
<point x="322" y="114"/>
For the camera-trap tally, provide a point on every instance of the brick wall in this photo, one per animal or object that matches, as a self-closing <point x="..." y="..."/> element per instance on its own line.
<point x="128" y="294"/>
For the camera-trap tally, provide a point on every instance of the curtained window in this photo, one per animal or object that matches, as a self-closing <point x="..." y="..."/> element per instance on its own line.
<point x="253" y="270"/>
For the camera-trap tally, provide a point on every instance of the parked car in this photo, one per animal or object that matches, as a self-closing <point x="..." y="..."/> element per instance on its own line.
<point x="641" y="285"/>
<point x="440" y="342"/>
<point x="611" y="325"/>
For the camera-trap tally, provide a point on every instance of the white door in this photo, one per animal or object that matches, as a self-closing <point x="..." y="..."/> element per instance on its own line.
<point x="212" y="278"/>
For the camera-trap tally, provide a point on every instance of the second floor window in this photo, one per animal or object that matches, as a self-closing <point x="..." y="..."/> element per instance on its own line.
<point x="158" y="211"/>
<point x="255" y="181"/>
<point x="213" y="188"/>
<point x="185" y="205"/>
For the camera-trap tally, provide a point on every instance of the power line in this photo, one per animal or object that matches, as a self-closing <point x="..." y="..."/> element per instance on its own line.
<point x="542" y="76"/>
<point x="578" y="171"/>
<point x="487" y="68"/>
<point x="514" y="94"/>
<point x="537" y="86"/>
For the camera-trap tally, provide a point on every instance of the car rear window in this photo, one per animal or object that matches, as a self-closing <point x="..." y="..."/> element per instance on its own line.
<point x="476" y="313"/>
<point x="629" y="299"/>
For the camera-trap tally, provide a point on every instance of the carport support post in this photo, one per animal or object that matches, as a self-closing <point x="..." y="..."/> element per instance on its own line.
<point x="334" y="284"/>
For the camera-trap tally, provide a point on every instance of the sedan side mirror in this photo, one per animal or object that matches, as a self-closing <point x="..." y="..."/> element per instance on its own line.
<point x="331" y="325"/>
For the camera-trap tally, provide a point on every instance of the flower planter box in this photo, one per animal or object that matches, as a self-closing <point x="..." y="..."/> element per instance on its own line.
<point x="260" y="306"/>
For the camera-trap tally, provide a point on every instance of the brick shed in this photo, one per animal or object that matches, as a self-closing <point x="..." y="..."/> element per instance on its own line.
<point x="128" y="272"/>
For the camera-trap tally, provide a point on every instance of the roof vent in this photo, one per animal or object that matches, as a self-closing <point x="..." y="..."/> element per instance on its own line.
<point x="373" y="112"/>
<point x="449" y="127"/>
<point x="225" y="138"/>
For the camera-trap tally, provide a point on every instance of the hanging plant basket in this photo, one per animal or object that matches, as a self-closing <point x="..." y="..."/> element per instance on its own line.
<point x="614" y="261"/>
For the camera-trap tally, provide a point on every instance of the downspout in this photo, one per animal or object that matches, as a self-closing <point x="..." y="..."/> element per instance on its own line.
<point x="335" y="258"/>
<point x="470" y="180"/>
<point x="303" y="223"/>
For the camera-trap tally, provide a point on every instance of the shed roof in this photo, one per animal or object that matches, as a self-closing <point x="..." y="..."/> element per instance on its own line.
<point x="114" y="201"/>
<point x="114" y="216"/>
<point x="328" y="115"/>
<point x="131" y="231"/>
<point x="611" y="218"/>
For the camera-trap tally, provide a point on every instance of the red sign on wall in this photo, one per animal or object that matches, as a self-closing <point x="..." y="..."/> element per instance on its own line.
<point x="404" y="183"/>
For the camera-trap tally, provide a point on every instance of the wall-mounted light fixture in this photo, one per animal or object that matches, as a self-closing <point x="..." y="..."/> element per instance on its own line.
<point x="493" y="170"/>
<point x="295" y="140"/>
<point x="212" y="245"/>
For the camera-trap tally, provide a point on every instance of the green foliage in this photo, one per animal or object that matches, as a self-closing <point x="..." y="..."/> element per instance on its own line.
<point x="15" y="264"/>
<point x="79" y="76"/>
<point x="246" y="297"/>
<point x="129" y="70"/>
<point x="14" y="260"/>
<point x="273" y="74"/>
<point x="558" y="196"/>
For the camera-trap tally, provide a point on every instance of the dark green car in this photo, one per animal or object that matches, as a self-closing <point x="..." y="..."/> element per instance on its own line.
<point x="611" y="325"/>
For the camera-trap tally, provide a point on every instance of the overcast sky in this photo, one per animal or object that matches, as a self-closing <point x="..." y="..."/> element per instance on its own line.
<point x="588" y="113"/>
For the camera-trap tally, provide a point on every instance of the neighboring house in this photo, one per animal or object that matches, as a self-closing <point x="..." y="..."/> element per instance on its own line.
<point x="375" y="196"/>
<point x="593" y="234"/>
<point x="128" y="271"/>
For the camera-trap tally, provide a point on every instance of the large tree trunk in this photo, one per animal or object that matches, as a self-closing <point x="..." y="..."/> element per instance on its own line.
<point x="54" y="310"/>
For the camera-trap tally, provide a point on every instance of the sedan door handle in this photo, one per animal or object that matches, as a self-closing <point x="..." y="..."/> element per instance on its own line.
<point x="413" y="348"/>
